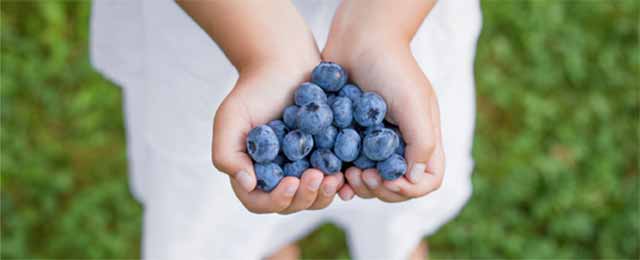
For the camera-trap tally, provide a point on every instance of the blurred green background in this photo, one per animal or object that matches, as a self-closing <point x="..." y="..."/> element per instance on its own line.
<point x="556" y="145"/>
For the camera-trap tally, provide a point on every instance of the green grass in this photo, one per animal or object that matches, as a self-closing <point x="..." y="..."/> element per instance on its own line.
<point x="556" y="145"/>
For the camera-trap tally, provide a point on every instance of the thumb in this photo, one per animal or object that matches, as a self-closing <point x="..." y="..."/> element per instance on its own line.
<point x="418" y="129"/>
<point x="230" y="129"/>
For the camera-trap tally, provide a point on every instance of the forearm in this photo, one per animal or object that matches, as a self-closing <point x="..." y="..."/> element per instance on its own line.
<point x="369" y="35"/>
<point x="252" y="32"/>
<point x="360" y="23"/>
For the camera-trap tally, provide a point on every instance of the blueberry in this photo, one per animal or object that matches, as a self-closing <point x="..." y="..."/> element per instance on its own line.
<point x="296" y="168"/>
<point x="279" y="128"/>
<point x="331" y="98"/>
<point x="342" y="112"/>
<point x="329" y="76"/>
<point x="297" y="145"/>
<point x="392" y="168"/>
<point x="400" y="149"/>
<point x="370" y="109"/>
<point x="325" y="161"/>
<point x="309" y="92"/>
<point x="325" y="138"/>
<point x="279" y="160"/>
<point x="268" y="175"/>
<point x="380" y="144"/>
<point x="289" y="116"/>
<point x="351" y="91"/>
<point x="347" y="146"/>
<point x="373" y="127"/>
<point x="314" y="117"/>
<point x="262" y="144"/>
<point x="363" y="162"/>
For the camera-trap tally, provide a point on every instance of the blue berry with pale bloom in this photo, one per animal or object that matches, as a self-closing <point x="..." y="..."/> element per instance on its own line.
<point x="329" y="76"/>
<point x="268" y="175"/>
<point x="289" y="116"/>
<point x="392" y="168"/>
<point x="400" y="149"/>
<point x="296" y="168"/>
<point x="347" y="146"/>
<point x="279" y="128"/>
<point x="326" y="138"/>
<point x="314" y="117"/>
<point x="309" y="92"/>
<point x="351" y="91"/>
<point x="262" y="144"/>
<point x="325" y="161"/>
<point x="297" y="145"/>
<point x="380" y="144"/>
<point x="342" y="112"/>
<point x="370" y="109"/>
<point x="363" y="162"/>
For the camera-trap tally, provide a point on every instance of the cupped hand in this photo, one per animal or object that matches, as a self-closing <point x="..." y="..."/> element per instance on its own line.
<point x="259" y="96"/>
<point x="390" y="69"/>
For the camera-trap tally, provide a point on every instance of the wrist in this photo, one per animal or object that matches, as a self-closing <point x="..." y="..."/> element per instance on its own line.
<point x="278" y="72"/>
<point x="293" y="60"/>
<point x="351" y="44"/>
<point x="358" y="51"/>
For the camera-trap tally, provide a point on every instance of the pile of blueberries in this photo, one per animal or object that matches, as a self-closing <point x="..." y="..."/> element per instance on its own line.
<point x="332" y="126"/>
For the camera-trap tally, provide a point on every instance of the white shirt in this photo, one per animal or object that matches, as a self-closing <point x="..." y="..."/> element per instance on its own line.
<point x="174" y="78"/>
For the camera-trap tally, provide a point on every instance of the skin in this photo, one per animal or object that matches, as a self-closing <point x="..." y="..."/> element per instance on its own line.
<point x="371" y="40"/>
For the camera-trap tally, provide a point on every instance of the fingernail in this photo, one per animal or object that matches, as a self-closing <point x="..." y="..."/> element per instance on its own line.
<point x="290" y="191"/>
<point x="315" y="184"/>
<point x="371" y="182"/>
<point x="355" y="180"/>
<point x="350" y="196"/>
<point x="244" y="179"/>
<point x="328" y="189"/>
<point x="347" y="196"/>
<point x="417" y="172"/>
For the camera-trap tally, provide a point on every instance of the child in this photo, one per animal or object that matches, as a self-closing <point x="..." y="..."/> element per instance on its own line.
<point x="175" y="79"/>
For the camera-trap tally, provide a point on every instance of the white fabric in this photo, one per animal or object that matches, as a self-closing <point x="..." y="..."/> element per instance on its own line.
<point x="174" y="77"/>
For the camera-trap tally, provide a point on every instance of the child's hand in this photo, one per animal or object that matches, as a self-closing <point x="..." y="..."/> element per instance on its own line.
<point x="393" y="73"/>
<point x="270" y="45"/>
<point x="376" y="53"/>
<point x="260" y="95"/>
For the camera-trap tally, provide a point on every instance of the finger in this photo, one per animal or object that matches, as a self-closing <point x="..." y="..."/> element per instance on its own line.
<point x="260" y="202"/>
<point x="437" y="165"/>
<point x="430" y="182"/>
<point x="307" y="191"/>
<point x="403" y="187"/>
<point x="328" y="189"/>
<point x="431" y="179"/>
<point x="346" y="193"/>
<point x="228" y="154"/>
<point x="436" y="169"/>
<point x="421" y="139"/>
<point x="374" y="182"/>
<point x="354" y="178"/>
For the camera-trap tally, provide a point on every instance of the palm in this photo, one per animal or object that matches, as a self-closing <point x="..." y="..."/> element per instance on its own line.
<point x="259" y="97"/>
<point x="412" y="105"/>
<point x="399" y="81"/>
